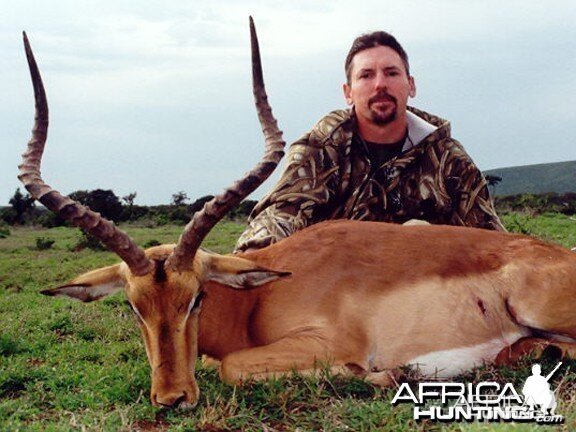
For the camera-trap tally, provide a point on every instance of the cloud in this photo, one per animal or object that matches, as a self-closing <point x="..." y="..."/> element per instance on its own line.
<point x="155" y="96"/>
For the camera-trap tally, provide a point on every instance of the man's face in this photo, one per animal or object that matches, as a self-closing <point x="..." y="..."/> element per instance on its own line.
<point x="379" y="86"/>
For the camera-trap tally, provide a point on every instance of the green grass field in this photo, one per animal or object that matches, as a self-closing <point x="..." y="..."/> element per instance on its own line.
<point x="71" y="366"/>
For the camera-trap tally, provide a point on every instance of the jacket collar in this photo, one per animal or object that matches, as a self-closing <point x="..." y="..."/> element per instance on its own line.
<point x="418" y="129"/>
<point x="340" y="125"/>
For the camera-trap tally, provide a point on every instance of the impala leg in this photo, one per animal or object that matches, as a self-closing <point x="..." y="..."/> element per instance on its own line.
<point x="209" y="362"/>
<point x="385" y="378"/>
<point x="299" y="354"/>
<point x="538" y="347"/>
<point x="280" y="358"/>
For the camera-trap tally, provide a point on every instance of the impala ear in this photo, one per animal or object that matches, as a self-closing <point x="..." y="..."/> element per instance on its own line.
<point x="91" y="286"/>
<point x="238" y="272"/>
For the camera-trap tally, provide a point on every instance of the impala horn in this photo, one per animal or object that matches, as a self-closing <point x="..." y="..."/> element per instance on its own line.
<point x="213" y="211"/>
<point x="75" y="213"/>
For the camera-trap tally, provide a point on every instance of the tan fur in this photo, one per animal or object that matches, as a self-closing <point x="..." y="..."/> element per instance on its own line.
<point x="363" y="298"/>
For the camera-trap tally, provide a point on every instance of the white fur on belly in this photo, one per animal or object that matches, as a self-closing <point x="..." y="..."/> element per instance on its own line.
<point x="448" y="363"/>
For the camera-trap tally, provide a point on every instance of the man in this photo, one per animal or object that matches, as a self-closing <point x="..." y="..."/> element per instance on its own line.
<point x="378" y="161"/>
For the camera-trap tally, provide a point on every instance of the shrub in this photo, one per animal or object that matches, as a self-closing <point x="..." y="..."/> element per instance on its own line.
<point x="8" y="215"/>
<point x="43" y="243"/>
<point x="51" y="220"/>
<point x="134" y="212"/>
<point x="161" y="219"/>
<point x="179" y="215"/>
<point x="151" y="243"/>
<point x="519" y="223"/>
<point x="242" y="210"/>
<point x="101" y="201"/>
<point x="4" y="230"/>
<point x="537" y="203"/>
<point x="88" y="241"/>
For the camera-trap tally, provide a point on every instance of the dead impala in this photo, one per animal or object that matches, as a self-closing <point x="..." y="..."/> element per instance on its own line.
<point x="366" y="297"/>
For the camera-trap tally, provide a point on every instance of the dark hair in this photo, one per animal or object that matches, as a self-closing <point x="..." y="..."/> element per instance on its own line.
<point x="371" y="40"/>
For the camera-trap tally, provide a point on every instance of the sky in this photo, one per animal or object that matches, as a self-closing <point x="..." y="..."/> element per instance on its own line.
<point x="155" y="97"/>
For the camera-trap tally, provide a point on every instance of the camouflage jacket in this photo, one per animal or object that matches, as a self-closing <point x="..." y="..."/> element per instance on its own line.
<point x="328" y="175"/>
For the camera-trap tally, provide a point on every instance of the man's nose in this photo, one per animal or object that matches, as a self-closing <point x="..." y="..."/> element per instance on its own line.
<point x="380" y="81"/>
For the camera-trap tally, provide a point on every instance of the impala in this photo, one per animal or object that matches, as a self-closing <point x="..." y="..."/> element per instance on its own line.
<point x="364" y="297"/>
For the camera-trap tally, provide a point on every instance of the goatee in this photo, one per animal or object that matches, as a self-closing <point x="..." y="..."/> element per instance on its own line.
<point x="383" y="118"/>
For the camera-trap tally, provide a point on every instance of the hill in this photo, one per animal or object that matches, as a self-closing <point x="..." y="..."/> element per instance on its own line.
<point x="559" y="177"/>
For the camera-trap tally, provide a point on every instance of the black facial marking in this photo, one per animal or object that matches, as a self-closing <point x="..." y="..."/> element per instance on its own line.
<point x="159" y="271"/>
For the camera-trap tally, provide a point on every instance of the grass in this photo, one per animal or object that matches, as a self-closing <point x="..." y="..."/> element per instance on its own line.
<point x="71" y="366"/>
<point x="553" y="227"/>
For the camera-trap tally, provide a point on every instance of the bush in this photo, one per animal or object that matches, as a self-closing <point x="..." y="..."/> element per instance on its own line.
<point x="8" y="215"/>
<point x="161" y="219"/>
<point x="242" y="210"/>
<point x="179" y="215"/>
<point x="101" y="201"/>
<point x="151" y="243"/>
<point x="519" y="223"/>
<point x="43" y="243"/>
<point x="51" y="220"/>
<point x="88" y="241"/>
<point x="4" y="230"/>
<point x="537" y="203"/>
<point x="134" y="212"/>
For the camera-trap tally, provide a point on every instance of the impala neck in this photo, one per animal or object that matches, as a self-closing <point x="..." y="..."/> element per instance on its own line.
<point x="224" y="320"/>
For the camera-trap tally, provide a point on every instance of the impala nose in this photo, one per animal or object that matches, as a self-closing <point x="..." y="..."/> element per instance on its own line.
<point x="172" y="400"/>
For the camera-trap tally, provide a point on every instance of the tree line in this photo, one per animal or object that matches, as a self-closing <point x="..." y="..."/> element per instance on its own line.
<point x="23" y="209"/>
<point x="535" y="204"/>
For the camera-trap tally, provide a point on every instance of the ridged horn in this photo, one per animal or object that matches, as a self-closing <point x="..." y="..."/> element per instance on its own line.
<point x="77" y="214"/>
<point x="213" y="211"/>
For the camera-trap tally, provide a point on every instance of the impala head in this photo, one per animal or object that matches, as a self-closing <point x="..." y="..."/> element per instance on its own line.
<point x="166" y="303"/>
<point x="163" y="284"/>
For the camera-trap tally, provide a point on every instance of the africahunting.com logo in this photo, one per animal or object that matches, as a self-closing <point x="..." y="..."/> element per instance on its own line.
<point x="485" y="401"/>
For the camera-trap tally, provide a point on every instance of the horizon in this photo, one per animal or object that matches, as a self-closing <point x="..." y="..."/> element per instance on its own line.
<point x="191" y="200"/>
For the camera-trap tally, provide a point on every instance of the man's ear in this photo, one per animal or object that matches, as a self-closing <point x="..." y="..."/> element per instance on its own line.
<point x="347" y="93"/>
<point x="412" y="92"/>
<point x="237" y="272"/>
<point x="91" y="286"/>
